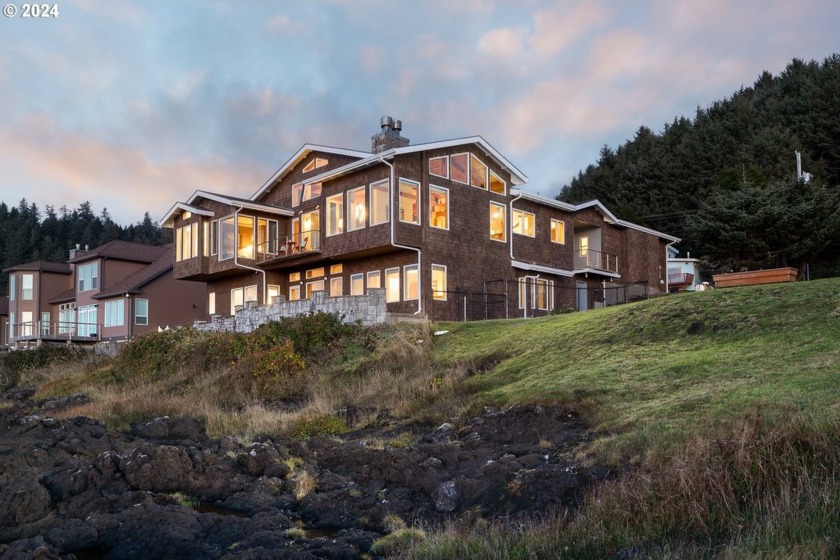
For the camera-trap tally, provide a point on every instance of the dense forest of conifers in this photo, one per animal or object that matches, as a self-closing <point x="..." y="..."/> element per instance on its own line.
<point x="725" y="181"/>
<point x="28" y="234"/>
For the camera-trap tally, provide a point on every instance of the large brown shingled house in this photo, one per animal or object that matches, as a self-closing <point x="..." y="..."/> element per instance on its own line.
<point x="430" y="223"/>
<point x="110" y="293"/>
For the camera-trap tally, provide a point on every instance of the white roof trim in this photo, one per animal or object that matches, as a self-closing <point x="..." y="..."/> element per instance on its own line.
<point x="179" y="207"/>
<point x="300" y="154"/>
<point x="609" y="216"/>
<point x="539" y="268"/>
<point x="517" y="177"/>
<point x="597" y="271"/>
<point x="242" y="203"/>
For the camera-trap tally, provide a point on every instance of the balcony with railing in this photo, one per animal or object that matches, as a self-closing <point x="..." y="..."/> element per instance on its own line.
<point x="290" y="246"/>
<point x="589" y="260"/>
<point x="54" y="331"/>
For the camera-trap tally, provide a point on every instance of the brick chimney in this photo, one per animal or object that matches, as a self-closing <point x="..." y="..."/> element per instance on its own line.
<point x="389" y="137"/>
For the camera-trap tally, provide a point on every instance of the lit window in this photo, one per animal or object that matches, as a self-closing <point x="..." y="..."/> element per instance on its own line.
<point x="26" y="323"/>
<point x="297" y="194"/>
<point x="558" y="232"/>
<point x="544" y="293"/>
<point x="315" y="273"/>
<point x="374" y="279"/>
<point x="211" y="303"/>
<point x="356" y="211"/>
<point x="141" y="312"/>
<point x="336" y="286"/>
<point x="439" y="207"/>
<point x="458" y="167"/>
<point x="186" y="242"/>
<point x="273" y="293"/>
<point x="497" y="185"/>
<point x="26" y="283"/>
<point x="392" y="284"/>
<point x="439" y="282"/>
<point x="115" y="313"/>
<point x="312" y="287"/>
<point x="410" y="282"/>
<point x="311" y="223"/>
<point x="336" y="268"/>
<point x="439" y="166"/>
<point x="409" y="194"/>
<point x="498" y="222"/>
<point x="311" y="190"/>
<point x="335" y="215"/>
<point x="227" y="237"/>
<point x="380" y="203"/>
<point x="357" y="284"/>
<point x="294" y="277"/>
<point x="245" y="238"/>
<point x="314" y="164"/>
<point x="294" y="293"/>
<point x="267" y="236"/>
<point x="478" y="173"/>
<point x="523" y="222"/>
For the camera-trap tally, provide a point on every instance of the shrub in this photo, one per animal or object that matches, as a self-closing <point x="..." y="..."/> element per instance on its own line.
<point x="13" y="364"/>
<point x="398" y="542"/>
<point x="319" y="425"/>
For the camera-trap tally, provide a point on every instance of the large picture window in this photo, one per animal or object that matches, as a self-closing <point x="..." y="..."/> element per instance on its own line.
<point x="87" y="320"/>
<point x="186" y="242"/>
<point x="357" y="284"/>
<point x="458" y="167"/>
<point x="227" y="238"/>
<point x="498" y="221"/>
<point x="26" y="283"/>
<point x="245" y="241"/>
<point x="380" y="203"/>
<point x="336" y="286"/>
<point x="439" y="207"/>
<point x="335" y="215"/>
<point x="409" y="201"/>
<point x="267" y="236"/>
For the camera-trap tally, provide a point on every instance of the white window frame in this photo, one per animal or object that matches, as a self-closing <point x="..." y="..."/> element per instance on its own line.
<point x="27" y="293"/>
<point x="411" y="268"/>
<point x="141" y="318"/>
<point x="519" y="229"/>
<point x="273" y="293"/>
<point x="486" y="185"/>
<point x="562" y="231"/>
<point x="351" y="220"/>
<point x="466" y="180"/>
<point x="227" y="227"/>
<point x="493" y="174"/>
<point x="445" y="192"/>
<point x="503" y="208"/>
<point x="88" y="276"/>
<point x="391" y="292"/>
<point x="357" y="284"/>
<point x="115" y="313"/>
<point x="268" y="233"/>
<point x="12" y="287"/>
<point x="418" y="203"/>
<point x="440" y="294"/>
<point x="294" y="292"/>
<point x="374" y="274"/>
<point x="337" y="227"/>
<point x="337" y="286"/>
<point x="211" y="303"/>
<point x="310" y="288"/>
<point x="387" y="198"/>
<point x="446" y="166"/>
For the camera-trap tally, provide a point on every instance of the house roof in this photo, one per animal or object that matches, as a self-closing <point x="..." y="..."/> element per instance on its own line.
<point x="41" y="266"/>
<point x="63" y="297"/>
<point x="517" y="176"/>
<point x="134" y="283"/>
<point x="596" y="205"/>
<point x="121" y="250"/>
<point x="539" y="268"/>
<point x="304" y="151"/>
<point x="191" y="206"/>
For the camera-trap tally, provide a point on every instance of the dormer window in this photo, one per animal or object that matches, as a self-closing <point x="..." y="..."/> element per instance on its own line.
<point x="315" y="164"/>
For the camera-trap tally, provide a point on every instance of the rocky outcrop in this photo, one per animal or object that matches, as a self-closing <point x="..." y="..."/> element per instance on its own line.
<point x="166" y="490"/>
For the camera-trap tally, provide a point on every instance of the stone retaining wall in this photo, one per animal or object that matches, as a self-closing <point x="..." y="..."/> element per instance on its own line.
<point x="368" y="309"/>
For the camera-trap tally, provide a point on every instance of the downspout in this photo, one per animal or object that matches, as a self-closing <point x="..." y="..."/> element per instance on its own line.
<point x="667" y="283"/>
<point x="236" y="256"/>
<point x="397" y="245"/>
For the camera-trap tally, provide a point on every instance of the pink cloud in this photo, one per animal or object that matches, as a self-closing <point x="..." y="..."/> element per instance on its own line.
<point x="556" y="28"/>
<point x="67" y="167"/>
<point x="506" y="43"/>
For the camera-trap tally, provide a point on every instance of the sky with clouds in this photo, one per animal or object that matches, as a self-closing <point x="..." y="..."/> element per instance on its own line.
<point x="134" y="105"/>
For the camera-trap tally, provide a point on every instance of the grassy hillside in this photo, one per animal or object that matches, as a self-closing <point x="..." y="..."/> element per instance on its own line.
<point x="654" y="372"/>
<point x="721" y="410"/>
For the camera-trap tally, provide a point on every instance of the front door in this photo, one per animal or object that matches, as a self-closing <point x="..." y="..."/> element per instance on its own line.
<point x="582" y="297"/>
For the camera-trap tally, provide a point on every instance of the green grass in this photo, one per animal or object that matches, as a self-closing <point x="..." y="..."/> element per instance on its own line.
<point x="649" y="374"/>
